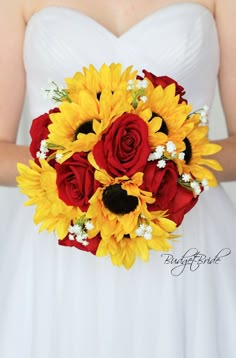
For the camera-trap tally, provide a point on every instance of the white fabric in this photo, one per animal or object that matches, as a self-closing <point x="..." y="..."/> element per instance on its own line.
<point x="58" y="302"/>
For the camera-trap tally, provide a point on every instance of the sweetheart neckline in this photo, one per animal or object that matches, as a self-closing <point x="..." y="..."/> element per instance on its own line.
<point x="127" y="32"/>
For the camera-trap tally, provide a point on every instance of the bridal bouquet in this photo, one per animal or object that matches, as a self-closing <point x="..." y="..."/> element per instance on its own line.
<point x="118" y="163"/>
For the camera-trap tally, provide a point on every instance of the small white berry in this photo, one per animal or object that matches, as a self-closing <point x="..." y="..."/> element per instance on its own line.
<point x="186" y="178"/>
<point x="170" y="146"/>
<point x="143" y="99"/>
<point x="89" y="225"/>
<point x="161" y="163"/>
<point x="181" y="155"/>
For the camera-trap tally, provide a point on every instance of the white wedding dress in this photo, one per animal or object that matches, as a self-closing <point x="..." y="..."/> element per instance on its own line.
<point x="59" y="302"/>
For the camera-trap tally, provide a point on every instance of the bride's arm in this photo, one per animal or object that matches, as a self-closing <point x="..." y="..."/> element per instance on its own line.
<point x="225" y="14"/>
<point x="12" y="88"/>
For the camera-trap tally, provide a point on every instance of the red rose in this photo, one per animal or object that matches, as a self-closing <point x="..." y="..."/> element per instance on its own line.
<point x="75" y="181"/>
<point x="91" y="247"/>
<point x="124" y="148"/>
<point x="182" y="203"/>
<point x="171" y="196"/>
<point x="39" y="131"/>
<point x="164" y="81"/>
<point x="161" y="182"/>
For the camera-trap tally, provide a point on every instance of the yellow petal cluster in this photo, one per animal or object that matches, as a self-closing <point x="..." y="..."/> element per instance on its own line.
<point x="124" y="251"/>
<point x="95" y="81"/>
<point x="39" y="184"/>
<point x="200" y="147"/>
<point x="162" y="106"/>
<point x="66" y="123"/>
<point x="114" y="229"/>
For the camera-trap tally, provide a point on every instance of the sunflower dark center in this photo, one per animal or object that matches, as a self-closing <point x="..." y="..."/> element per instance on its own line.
<point x="117" y="201"/>
<point x="163" y="128"/>
<point x="187" y="151"/>
<point x="85" y="128"/>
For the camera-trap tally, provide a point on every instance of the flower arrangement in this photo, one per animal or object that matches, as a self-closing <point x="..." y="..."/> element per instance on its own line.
<point x="118" y="163"/>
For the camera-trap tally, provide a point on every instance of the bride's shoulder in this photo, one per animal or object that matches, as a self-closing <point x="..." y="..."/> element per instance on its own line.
<point x="30" y="7"/>
<point x="11" y="14"/>
<point x="225" y="14"/>
<point x="16" y="10"/>
<point x="225" y="6"/>
<point x="11" y="7"/>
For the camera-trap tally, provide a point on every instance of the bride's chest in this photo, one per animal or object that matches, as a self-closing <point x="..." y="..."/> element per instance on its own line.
<point x="179" y="41"/>
<point x="116" y="16"/>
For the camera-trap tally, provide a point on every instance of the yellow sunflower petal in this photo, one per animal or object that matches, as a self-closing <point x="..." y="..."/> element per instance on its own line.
<point x="142" y="249"/>
<point x="201" y="173"/>
<point x="211" y="163"/>
<point x="210" y="148"/>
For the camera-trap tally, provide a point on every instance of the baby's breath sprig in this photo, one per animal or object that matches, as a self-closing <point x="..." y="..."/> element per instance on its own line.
<point x="56" y="92"/>
<point x="43" y="150"/>
<point x="190" y="183"/>
<point x="159" y="154"/>
<point x="137" y="89"/>
<point x="203" y="112"/>
<point x="144" y="228"/>
<point x="79" y="231"/>
<point x="55" y="155"/>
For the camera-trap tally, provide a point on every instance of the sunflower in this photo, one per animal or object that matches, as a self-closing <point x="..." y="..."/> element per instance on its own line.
<point x="117" y="210"/>
<point x="124" y="252"/>
<point x="166" y="117"/>
<point x="116" y="206"/>
<point x="78" y="126"/>
<point x="197" y="146"/>
<point x="39" y="184"/>
<point x="95" y="81"/>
